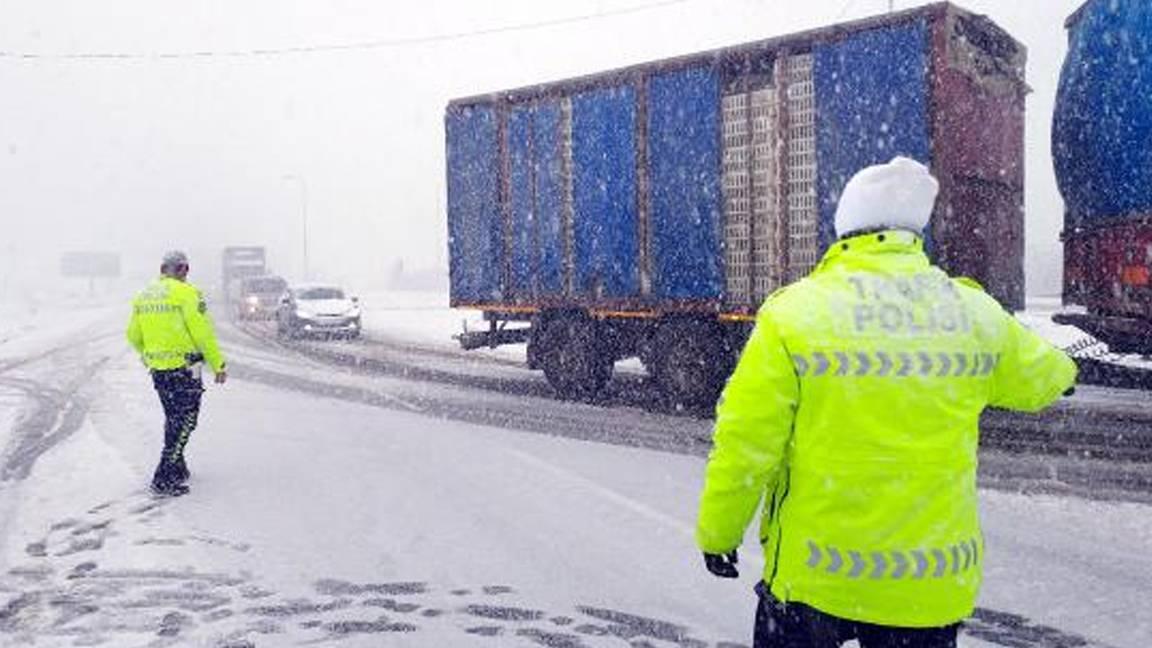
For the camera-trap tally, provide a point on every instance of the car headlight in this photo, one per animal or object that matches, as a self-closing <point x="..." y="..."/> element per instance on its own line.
<point x="253" y="300"/>
<point x="303" y="314"/>
<point x="353" y="312"/>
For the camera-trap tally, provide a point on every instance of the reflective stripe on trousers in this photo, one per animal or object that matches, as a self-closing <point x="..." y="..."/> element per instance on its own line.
<point x="180" y="391"/>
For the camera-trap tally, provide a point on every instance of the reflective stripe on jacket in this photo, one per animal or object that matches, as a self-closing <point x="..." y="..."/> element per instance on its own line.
<point x="170" y="323"/>
<point x="853" y="415"/>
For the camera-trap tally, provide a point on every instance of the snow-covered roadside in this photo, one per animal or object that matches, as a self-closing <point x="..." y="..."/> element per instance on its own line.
<point x="1038" y="317"/>
<point x="416" y="315"/>
<point x="1073" y="564"/>
<point x="425" y="319"/>
<point x="36" y="337"/>
<point x="84" y="477"/>
<point x="312" y="519"/>
<point x="32" y="336"/>
<point x="21" y="315"/>
<point x="30" y="327"/>
<point x="298" y="502"/>
<point x="317" y="516"/>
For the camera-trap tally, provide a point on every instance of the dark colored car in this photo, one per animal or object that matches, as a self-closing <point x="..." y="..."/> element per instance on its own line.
<point x="257" y="297"/>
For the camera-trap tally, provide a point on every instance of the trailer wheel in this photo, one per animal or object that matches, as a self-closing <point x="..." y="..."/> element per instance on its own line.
<point x="573" y="358"/>
<point x="692" y="361"/>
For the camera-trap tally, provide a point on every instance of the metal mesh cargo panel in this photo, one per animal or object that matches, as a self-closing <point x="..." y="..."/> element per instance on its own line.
<point x="766" y="244"/>
<point x="766" y="257"/>
<point x="737" y="198"/>
<point x="800" y="167"/>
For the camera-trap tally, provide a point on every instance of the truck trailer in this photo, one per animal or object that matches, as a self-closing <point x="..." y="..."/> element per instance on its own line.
<point x="648" y="211"/>
<point x="238" y="262"/>
<point x="1102" y="148"/>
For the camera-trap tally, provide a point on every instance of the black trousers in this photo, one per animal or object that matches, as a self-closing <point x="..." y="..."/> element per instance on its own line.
<point x="795" y="625"/>
<point x="180" y="391"/>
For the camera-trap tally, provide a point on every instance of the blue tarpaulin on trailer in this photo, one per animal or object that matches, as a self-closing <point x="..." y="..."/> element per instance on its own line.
<point x="684" y="184"/>
<point x="536" y="201"/>
<point x="537" y="198"/>
<point x="1102" y="127"/>
<point x="550" y="188"/>
<point x="475" y="229"/>
<point x="872" y="100"/>
<point x="604" y="193"/>
<point x="524" y="251"/>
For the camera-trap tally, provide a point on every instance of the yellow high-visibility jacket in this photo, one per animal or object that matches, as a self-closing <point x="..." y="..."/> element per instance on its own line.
<point x="170" y="322"/>
<point x="853" y="413"/>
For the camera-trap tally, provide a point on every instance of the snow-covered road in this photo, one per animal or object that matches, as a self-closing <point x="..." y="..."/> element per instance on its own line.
<point x="332" y="505"/>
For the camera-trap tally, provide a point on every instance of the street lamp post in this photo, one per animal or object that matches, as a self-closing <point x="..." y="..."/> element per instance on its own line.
<point x="303" y="213"/>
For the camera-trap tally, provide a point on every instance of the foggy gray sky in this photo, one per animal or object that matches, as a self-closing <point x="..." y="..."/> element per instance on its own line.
<point x="143" y="154"/>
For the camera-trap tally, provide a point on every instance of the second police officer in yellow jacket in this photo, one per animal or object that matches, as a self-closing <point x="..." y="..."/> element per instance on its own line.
<point x="171" y="330"/>
<point x="851" y="425"/>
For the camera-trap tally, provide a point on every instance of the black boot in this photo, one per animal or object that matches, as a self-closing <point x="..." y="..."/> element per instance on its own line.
<point x="173" y="489"/>
<point x="182" y="473"/>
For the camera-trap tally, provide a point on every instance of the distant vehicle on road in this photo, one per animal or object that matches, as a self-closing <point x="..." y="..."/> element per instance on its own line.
<point x="257" y="297"/>
<point x="321" y="310"/>
<point x="648" y="211"/>
<point x="1101" y="131"/>
<point x="238" y="262"/>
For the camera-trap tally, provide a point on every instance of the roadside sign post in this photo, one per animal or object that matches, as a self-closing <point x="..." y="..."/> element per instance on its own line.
<point x="91" y="266"/>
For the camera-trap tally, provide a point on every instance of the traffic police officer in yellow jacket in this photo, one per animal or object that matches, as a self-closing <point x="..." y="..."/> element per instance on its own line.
<point x="853" y="415"/>
<point x="172" y="332"/>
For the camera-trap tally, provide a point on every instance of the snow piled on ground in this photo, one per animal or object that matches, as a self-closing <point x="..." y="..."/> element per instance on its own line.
<point x="30" y="323"/>
<point x="1038" y="317"/>
<point x="300" y="500"/>
<point x="300" y="503"/>
<point x="315" y="519"/>
<point x="417" y="316"/>
<point x="425" y="318"/>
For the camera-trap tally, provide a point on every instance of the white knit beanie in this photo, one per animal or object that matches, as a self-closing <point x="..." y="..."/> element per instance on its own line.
<point x="897" y="195"/>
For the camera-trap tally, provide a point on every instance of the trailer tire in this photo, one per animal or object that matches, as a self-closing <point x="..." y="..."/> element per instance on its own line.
<point x="573" y="358"/>
<point x="692" y="362"/>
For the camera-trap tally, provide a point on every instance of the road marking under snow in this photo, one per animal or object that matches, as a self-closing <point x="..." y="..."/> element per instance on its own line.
<point x="609" y="494"/>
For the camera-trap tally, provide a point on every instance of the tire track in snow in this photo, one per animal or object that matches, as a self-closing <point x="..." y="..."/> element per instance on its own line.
<point x="408" y="361"/>
<point x="55" y="415"/>
<point x="161" y="604"/>
<point x="993" y="626"/>
<point x="1019" y="453"/>
<point x="569" y="420"/>
<point x="72" y="345"/>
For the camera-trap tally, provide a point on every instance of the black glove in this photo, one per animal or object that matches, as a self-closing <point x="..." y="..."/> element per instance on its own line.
<point x="1069" y="391"/>
<point x="722" y="565"/>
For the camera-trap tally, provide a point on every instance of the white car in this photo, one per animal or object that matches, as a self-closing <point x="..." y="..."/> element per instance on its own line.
<point x="321" y="310"/>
